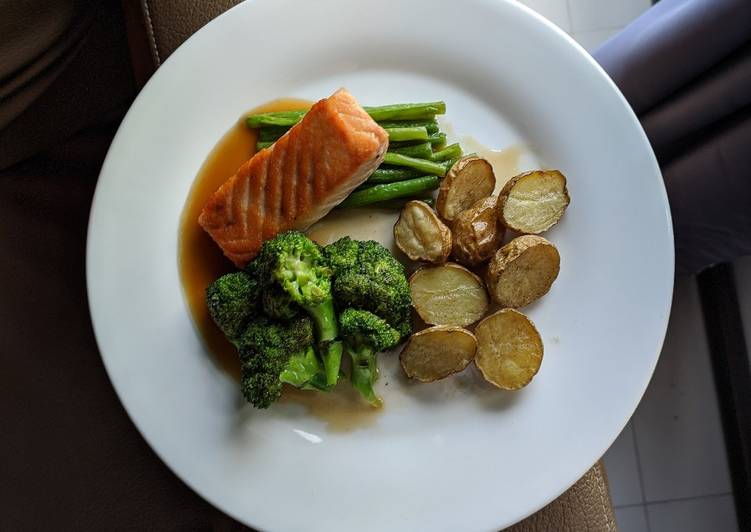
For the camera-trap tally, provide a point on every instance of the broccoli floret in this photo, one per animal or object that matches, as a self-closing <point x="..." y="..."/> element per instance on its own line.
<point x="365" y="334"/>
<point x="370" y="279"/>
<point x="274" y="352"/>
<point x="295" y="264"/>
<point x="232" y="301"/>
<point x="342" y="254"/>
<point x="278" y="304"/>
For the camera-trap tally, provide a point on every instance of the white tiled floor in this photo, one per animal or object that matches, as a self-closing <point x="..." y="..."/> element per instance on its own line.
<point x="622" y="465"/>
<point x="668" y="469"/>
<point x="703" y="514"/>
<point x="677" y="425"/>
<point x="590" y="22"/>
<point x="670" y="459"/>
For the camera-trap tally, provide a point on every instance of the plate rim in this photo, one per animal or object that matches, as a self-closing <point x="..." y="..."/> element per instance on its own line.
<point x="215" y="502"/>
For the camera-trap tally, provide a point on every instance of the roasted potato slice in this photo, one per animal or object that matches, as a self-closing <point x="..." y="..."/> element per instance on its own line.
<point x="477" y="232"/>
<point x="437" y="352"/>
<point x="421" y="235"/>
<point x="522" y="271"/>
<point x="533" y="202"/>
<point x="470" y="179"/>
<point x="448" y="295"/>
<point x="509" y="349"/>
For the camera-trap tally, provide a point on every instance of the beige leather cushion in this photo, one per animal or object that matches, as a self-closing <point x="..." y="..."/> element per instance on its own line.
<point x="586" y="505"/>
<point x="171" y="22"/>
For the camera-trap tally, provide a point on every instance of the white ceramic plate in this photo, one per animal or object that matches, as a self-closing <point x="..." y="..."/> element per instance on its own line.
<point x="454" y="455"/>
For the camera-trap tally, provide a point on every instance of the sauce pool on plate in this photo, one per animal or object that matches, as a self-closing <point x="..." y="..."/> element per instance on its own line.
<point x="200" y="261"/>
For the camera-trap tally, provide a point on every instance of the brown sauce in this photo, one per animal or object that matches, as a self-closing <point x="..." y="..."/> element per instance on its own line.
<point x="200" y="261"/>
<point x="505" y="162"/>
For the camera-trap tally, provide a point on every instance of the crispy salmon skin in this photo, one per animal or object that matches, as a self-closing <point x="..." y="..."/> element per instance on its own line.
<point x="298" y="180"/>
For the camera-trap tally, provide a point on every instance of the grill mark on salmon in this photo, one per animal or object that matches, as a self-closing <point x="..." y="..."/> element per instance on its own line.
<point x="274" y="192"/>
<point x="297" y="180"/>
<point x="289" y="174"/>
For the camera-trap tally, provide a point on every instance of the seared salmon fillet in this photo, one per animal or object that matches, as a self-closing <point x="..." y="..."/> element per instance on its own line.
<point x="298" y="180"/>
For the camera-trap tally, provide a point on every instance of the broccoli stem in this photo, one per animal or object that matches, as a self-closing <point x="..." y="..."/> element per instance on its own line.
<point x="265" y="144"/>
<point x="389" y="175"/>
<point x="400" y="111"/>
<point x="422" y="150"/>
<point x="453" y="151"/>
<point x="364" y="373"/>
<point x="389" y="191"/>
<point x="327" y="330"/>
<point x="304" y="370"/>
<point x="331" y="353"/>
<point x="423" y="165"/>
<point x="401" y="134"/>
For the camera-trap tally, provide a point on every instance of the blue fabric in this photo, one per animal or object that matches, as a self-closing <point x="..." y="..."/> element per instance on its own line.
<point x="685" y="68"/>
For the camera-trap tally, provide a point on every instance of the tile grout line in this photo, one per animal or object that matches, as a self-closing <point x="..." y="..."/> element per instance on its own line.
<point x="645" y="513"/>
<point x="678" y="499"/>
<point x="639" y="471"/>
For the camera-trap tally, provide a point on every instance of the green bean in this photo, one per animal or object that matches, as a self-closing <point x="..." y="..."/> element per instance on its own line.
<point x="423" y="165"/>
<point x="389" y="191"/>
<point x="406" y="111"/>
<point x="454" y="151"/>
<point x="271" y="133"/>
<point x="421" y="151"/>
<point x="399" y="111"/>
<point x="399" y="134"/>
<point x="389" y="175"/>
<point x="279" y="118"/>
<point x="430" y="125"/>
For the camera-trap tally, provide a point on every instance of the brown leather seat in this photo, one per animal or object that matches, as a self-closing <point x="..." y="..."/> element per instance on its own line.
<point x="77" y="461"/>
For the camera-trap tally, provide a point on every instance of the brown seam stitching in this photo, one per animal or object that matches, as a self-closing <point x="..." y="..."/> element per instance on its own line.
<point x="152" y="35"/>
<point x="602" y="502"/>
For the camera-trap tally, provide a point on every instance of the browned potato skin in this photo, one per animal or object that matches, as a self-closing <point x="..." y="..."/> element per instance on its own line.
<point x="415" y="366"/>
<point x="431" y="317"/>
<point x="540" y="263"/>
<point x="511" y="183"/>
<point x="477" y="232"/>
<point x="470" y="179"/>
<point x="429" y="243"/>
<point x="509" y="349"/>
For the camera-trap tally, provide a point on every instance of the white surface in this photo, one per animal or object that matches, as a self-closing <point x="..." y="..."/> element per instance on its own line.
<point x="589" y="15"/>
<point x="593" y="39"/>
<point x="631" y="519"/>
<point x="677" y="424"/>
<point x="694" y="515"/>
<point x="621" y="464"/>
<point x="440" y="457"/>
<point x="556" y="11"/>
<point x="621" y="461"/>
